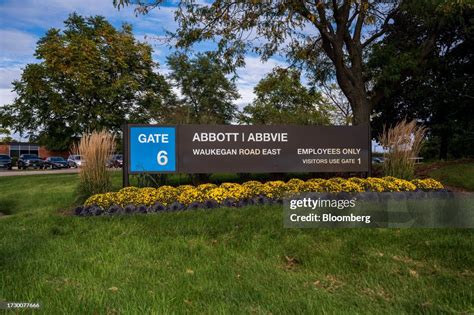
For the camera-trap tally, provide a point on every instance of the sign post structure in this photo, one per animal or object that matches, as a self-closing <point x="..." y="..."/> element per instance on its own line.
<point x="245" y="149"/>
<point x="125" y="148"/>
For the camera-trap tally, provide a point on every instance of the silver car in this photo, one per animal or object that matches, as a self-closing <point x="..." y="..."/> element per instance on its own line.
<point x="75" y="160"/>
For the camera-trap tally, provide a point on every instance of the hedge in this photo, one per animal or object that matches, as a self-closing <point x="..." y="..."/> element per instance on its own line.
<point x="232" y="194"/>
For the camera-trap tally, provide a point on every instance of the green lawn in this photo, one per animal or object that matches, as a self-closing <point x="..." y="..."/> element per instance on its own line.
<point x="218" y="261"/>
<point x="456" y="175"/>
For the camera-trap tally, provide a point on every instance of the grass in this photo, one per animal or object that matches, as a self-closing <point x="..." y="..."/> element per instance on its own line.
<point x="220" y="261"/>
<point x="456" y="175"/>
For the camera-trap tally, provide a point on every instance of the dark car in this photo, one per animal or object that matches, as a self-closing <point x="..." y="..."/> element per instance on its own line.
<point x="5" y="162"/>
<point x="115" y="160"/>
<point x="29" y="160"/>
<point x="55" y="162"/>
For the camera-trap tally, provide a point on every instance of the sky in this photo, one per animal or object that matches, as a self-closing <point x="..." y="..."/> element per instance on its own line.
<point x="24" y="22"/>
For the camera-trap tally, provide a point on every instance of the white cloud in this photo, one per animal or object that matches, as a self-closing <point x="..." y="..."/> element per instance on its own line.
<point x="15" y="43"/>
<point x="8" y="75"/>
<point x="246" y="96"/>
<point x="6" y="96"/>
<point x="254" y="71"/>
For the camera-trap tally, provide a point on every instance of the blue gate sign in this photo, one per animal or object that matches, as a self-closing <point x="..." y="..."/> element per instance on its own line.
<point x="152" y="149"/>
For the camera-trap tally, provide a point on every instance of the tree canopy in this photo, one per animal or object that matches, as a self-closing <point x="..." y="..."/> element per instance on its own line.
<point x="207" y="94"/>
<point x="282" y="99"/>
<point x="438" y="93"/>
<point x="89" y="76"/>
<point x="332" y="39"/>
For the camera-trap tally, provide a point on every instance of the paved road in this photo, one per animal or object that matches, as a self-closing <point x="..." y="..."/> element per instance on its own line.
<point x="16" y="172"/>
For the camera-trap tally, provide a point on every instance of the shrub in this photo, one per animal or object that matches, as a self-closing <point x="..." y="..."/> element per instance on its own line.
<point x="167" y="194"/>
<point x="182" y="188"/>
<point x="253" y="188"/>
<point x="190" y="195"/>
<point x="104" y="201"/>
<point x="374" y="184"/>
<point x="427" y="184"/>
<point x="274" y="189"/>
<point x="330" y="186"/>
<point x="148" y="199"/>
<point x="218" y="194"/>
<point x="401" y="184"/>
<point x="348" y="186"/>
<point x="311" y="186"/>
<point x="206" y="187"/>
<point x="403" y="144"/>
<point x="95" y="149"/>
<point x="294" y="185"/>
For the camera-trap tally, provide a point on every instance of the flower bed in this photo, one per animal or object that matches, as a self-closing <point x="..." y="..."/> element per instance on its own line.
<point x="168" y="198"/>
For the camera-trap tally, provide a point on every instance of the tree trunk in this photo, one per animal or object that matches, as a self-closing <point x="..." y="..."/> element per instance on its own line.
<point x="361" y="112"/>
<point x="355" y="92"/>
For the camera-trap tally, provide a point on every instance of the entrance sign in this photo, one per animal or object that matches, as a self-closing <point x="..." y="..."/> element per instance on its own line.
<point x="152" y="149"/>
<point x="245" y="149"/>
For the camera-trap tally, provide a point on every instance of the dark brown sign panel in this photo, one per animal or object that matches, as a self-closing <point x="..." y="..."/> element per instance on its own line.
<point x="261" y="149"/>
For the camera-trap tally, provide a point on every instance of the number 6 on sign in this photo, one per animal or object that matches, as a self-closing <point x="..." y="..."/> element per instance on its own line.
<point x="162" y="157"/>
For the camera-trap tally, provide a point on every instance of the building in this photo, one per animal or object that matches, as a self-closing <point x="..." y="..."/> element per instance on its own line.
<point x="15" y="149"/>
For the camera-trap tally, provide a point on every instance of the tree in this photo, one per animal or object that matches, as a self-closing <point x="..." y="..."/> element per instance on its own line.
<point x="7" y="138"/>
<point x="282" y="99"/>
<point x="339" y="106"/>
<point x="330" y="38"/>
<point x="90" y="76"/>
<point x="439" y="93"/>
<point x="207" y="95"/>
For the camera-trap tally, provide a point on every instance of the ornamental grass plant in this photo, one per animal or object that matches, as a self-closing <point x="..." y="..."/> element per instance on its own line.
<point x="402" y="144"/>
<point x="95" y="150"/>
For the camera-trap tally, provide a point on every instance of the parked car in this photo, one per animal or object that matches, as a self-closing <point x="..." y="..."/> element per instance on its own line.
<point x="55" y="162"/>
<point x="30" y="160"/>
<point x="75" y="160"/>
<point x="378" y="160"/>
<point x="5" y="162"/>
<point x="115" y="160"/>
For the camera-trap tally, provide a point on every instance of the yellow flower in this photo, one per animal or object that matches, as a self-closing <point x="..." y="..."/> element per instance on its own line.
<point x="206" y="187"/>
<point x="330" y="186"/>
<point x="191" y="195"/>
<point x="427" y="184"/>
<point x="182" y="188"/>
<point x="349" y="186"/>
<point x="401" y="184"/>
<point x="218" y="194"/>
<point x="274" y="189"/>
<point x="102" y="200"/>
<point x="253" y="188"/>
<point x="294" y="185"/>
<point x="311" y="186"/>
<point x="167" y="194"/>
